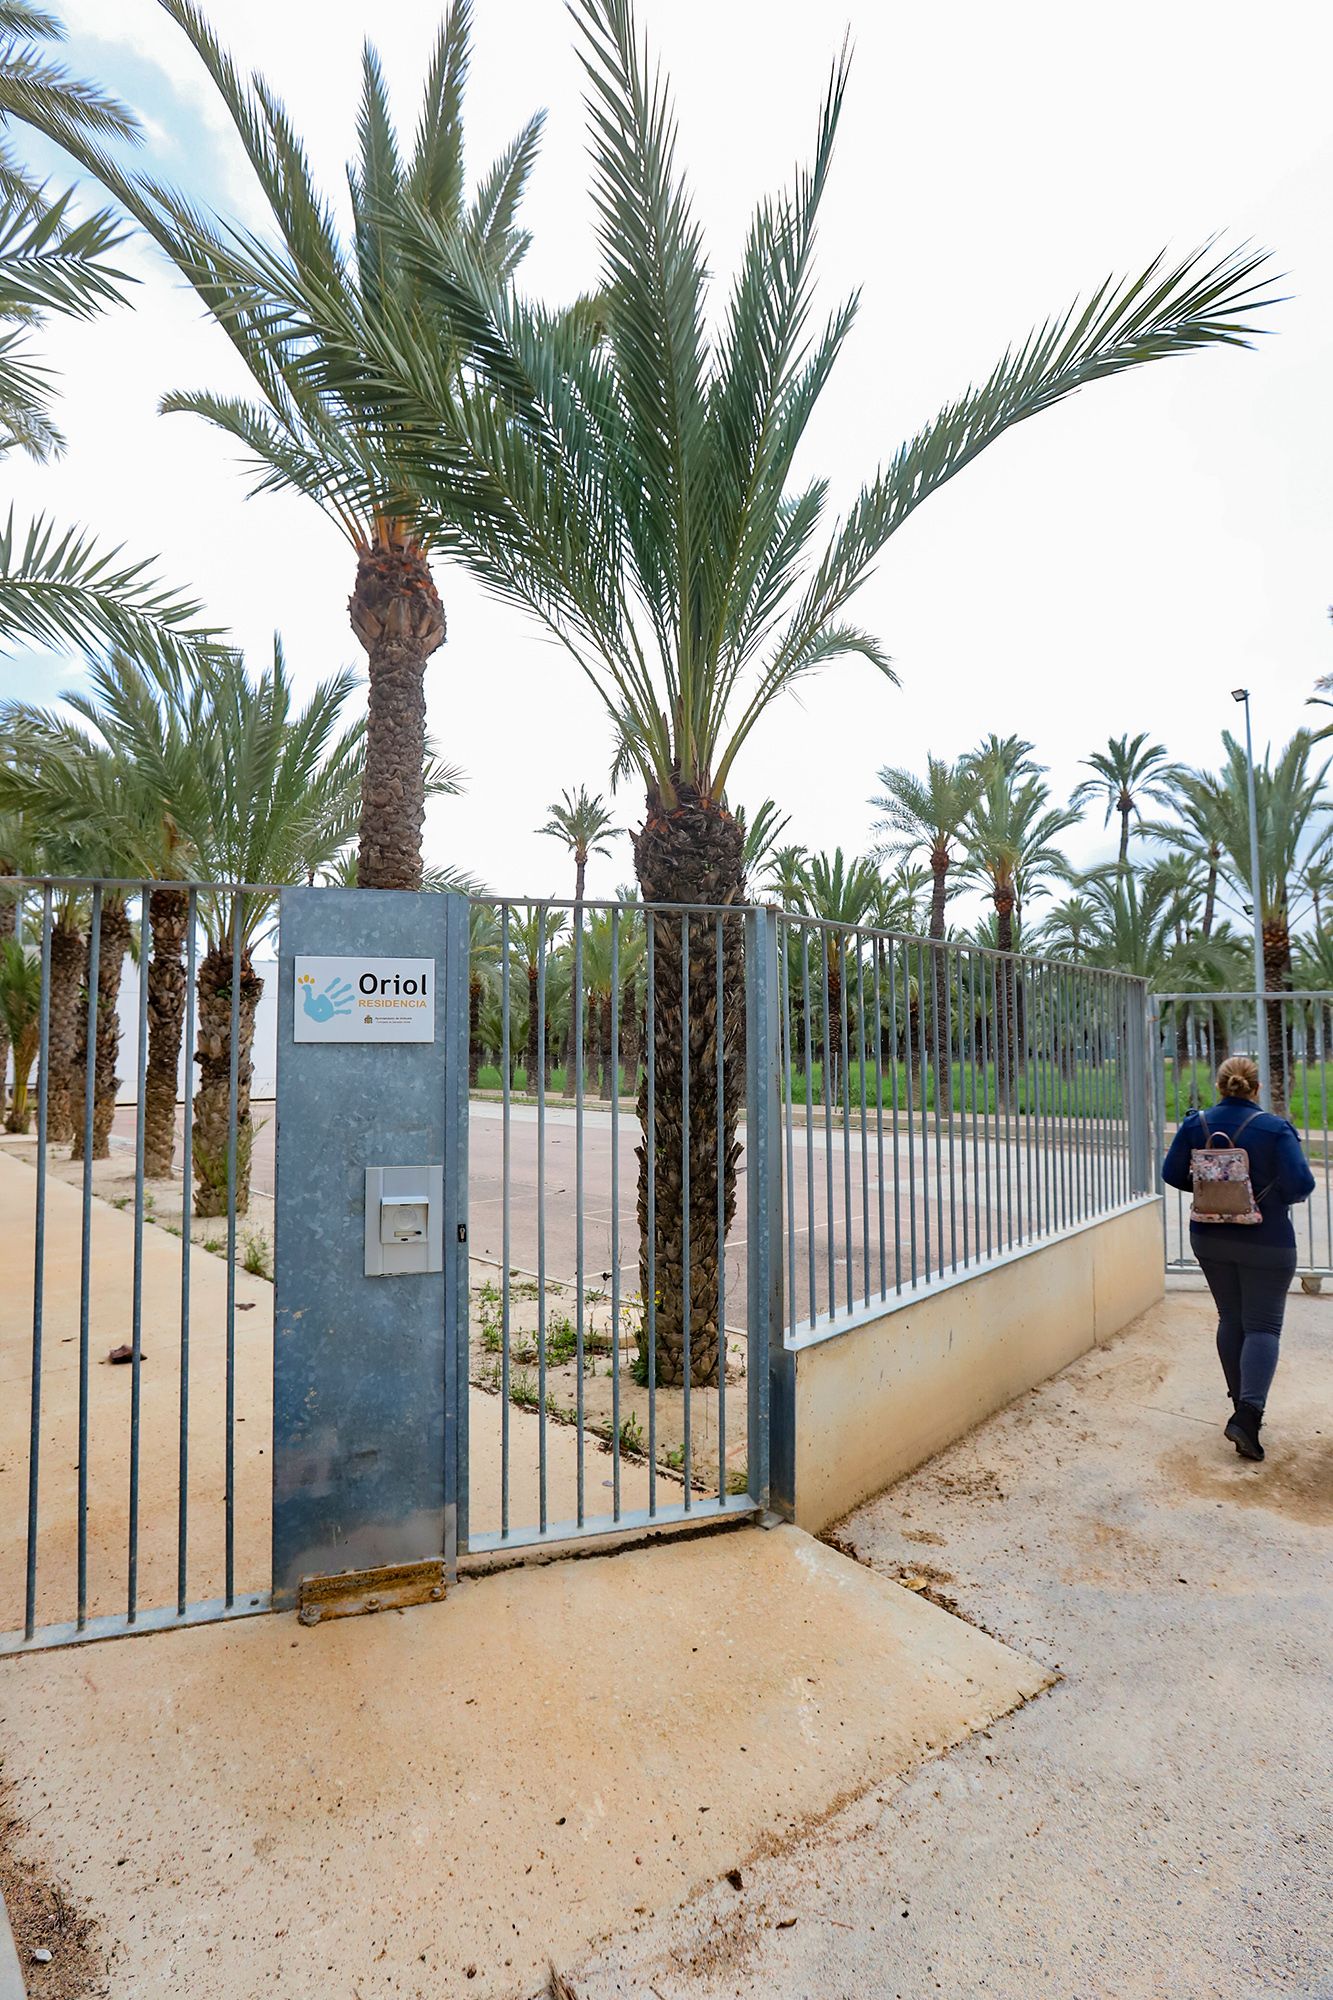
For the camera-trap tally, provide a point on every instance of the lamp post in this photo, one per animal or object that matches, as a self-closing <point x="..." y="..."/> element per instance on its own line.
<point x="1242" y="695"/>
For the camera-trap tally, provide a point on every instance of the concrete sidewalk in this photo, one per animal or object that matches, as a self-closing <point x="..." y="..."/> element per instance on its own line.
<point x="433" y="1803"/>
<point x="1162" y="1822"/>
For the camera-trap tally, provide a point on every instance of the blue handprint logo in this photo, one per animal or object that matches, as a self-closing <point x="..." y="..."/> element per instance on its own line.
<point x="334" y="1000"/>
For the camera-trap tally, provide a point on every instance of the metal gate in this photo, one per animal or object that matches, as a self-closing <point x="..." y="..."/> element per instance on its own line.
<point x="475" y="1360"/>
<point x="1190" y="1034"/>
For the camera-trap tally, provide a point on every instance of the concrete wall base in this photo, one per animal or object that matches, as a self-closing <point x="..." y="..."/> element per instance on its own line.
<point x="870" y="1404"/>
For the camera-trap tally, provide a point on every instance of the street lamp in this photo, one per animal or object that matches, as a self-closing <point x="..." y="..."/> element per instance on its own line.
<point x="1260" y="1010"/>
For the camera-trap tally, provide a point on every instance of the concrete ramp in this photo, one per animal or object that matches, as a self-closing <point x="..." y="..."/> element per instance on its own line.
<point x="435" y="1802"/>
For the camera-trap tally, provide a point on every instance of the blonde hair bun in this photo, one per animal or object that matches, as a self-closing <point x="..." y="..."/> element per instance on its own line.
<point x="1238" y="1077"/>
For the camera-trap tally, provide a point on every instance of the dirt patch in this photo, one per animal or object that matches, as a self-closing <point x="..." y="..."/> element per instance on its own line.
<point x="1296" y="1479"/>
<point x="44" y="1918"/>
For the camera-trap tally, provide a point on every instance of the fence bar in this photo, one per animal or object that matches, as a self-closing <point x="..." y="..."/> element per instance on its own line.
<point x="879" y="1124"/>
<point x="923" y="1078"/>
<point x="506" y="1302"/>
<point x="784" y="1016"/>
<point x="720" y="1142"/>
<point x="615" y="1228"/>
<point x="542" y="919"/>
<point x="846" y="1105"/>
<point x="38" y="1268"/>
<point x="136" y="1307"/>
<point x="826" y="1038"/>
<point x="897" y="1176"/>
<point x="578" y="1047"/>
<point x="85" y="1267"/>
<point x="865" y="1122"/>
<point x="233" y="1154"/>
<point x="807" y="1010"/>
<point x="187" y="1208"/>
<point x="687" y="1462"/>
<point x="650" y="1149"/>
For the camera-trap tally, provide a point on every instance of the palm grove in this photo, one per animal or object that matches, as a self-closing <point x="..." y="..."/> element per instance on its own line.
<point x="618" y="467"/>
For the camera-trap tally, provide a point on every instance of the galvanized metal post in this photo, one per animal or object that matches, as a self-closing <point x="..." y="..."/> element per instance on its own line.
<point x="1141" y="1034"/>
<point x="458" y="947"/>
<point x="771" y="1373"/>
<point x="361" y="1362"/>
<point x="1242" y="695"/>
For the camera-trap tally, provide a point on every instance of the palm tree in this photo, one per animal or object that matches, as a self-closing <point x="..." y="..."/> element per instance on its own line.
<point x="927" y="817"/>
<point x="273" y="796"/>
<point x="1287" y="802"/>
<point x="1198" y="798"/>
<point x="297" y="438"/>
<point x="838" y="892"/>
<point x="123" y="771"/>
<point x="1128" y="771"/>
<point x="762" y="835"/>
<point x="1067" y="929"/>
<point x="625" y="474"/>
<point x="20" y="1015"/>
<point x="533" y="932"/>
<point x="607" y="943"/>
<point x="583" y="823"/>
<point x="59" y="589"/>
<point x="1011" y="835"/>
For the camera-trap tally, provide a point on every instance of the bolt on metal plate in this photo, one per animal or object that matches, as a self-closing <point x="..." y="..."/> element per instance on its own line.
<point x="353" y="1592"/>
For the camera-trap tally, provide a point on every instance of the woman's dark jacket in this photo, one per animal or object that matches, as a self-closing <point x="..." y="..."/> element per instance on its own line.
<point x="1279" y="1172"/>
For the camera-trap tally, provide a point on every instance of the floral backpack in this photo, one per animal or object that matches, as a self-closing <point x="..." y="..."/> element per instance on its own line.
<point x="1223" y="1191"/>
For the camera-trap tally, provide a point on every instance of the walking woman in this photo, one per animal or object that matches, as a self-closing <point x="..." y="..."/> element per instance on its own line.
<point x="1248" y="1265"/>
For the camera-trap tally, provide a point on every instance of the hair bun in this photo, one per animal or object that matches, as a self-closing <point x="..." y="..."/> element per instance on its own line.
<point x="1238" y="1077"/>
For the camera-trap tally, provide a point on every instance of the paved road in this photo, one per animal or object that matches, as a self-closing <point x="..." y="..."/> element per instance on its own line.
<point x="1162" y="1821"/>
<point x="946" y="1202"/>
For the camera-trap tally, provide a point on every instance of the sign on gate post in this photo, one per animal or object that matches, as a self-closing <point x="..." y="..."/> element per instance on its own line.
<point x="370" y="1227"/>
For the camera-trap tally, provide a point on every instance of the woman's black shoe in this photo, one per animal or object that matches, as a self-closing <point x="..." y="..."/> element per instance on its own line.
<point x="1243" y="1430"/>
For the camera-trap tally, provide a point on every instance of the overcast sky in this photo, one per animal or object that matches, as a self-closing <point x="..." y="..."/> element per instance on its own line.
<point x="1118" y="564"/>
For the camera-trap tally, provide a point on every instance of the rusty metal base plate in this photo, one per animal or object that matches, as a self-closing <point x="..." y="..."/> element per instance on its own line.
<point x="354" y="1591"/>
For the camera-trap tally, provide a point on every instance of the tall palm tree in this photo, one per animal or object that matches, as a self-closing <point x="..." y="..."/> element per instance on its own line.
<point x="838" y="891"/>
<point x="20" y="1014"/>
<point x="273" y="796"/>
<point x="121" y="767"/>
<point x="1197" y="797"/>
<point x="1011" y="840"/>
<point x="1128" y="771"/>
<point x="295" y="437"/>
<point x="533" y="934"/>
<point x="927" y="817"/>
<point x="1288" y="807"/>
<point x="1067" y="929"/>
<point x="59" y="589"/>
<point x="626" y="475"/>
<point x="583" y="822"/>
<point x="763" y="833"/>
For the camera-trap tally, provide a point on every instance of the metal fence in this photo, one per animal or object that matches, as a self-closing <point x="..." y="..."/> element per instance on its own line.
<point x="619" y="1308"/>
<point x="944" y="1105"/>
<point x="670" y="1118"/>
<point x="132" y="1495"/>
<point x="1192" y="1034"/>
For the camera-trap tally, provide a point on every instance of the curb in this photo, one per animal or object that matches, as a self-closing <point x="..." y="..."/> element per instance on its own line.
<point x="13" y="1986"/>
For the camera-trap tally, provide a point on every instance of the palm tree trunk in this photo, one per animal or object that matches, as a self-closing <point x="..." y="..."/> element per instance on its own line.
<point x="692" y="853"/>
<point x="532" y="1054"/>
<point x="606" y="1060"/>
<point x="19" y="1115"/>
<point x="631" y="1030"/>
<point x="475" y="989"/>
<point x="113" y="945"/>
<point x="1209" y="899"/>
<point x="9" y="916"/>
<point x="69" y="957"/>
<point x="1125" y="808"/>
<point x="580" y="877"/>
<point x="168" y="921"/>
<point x="212" y="1101"/>
<point x="397" y="615"/>
<point x="1277" y="979"/>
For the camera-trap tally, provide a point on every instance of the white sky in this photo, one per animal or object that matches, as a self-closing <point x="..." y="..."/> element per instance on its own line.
<point x="1118" y="564"/>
